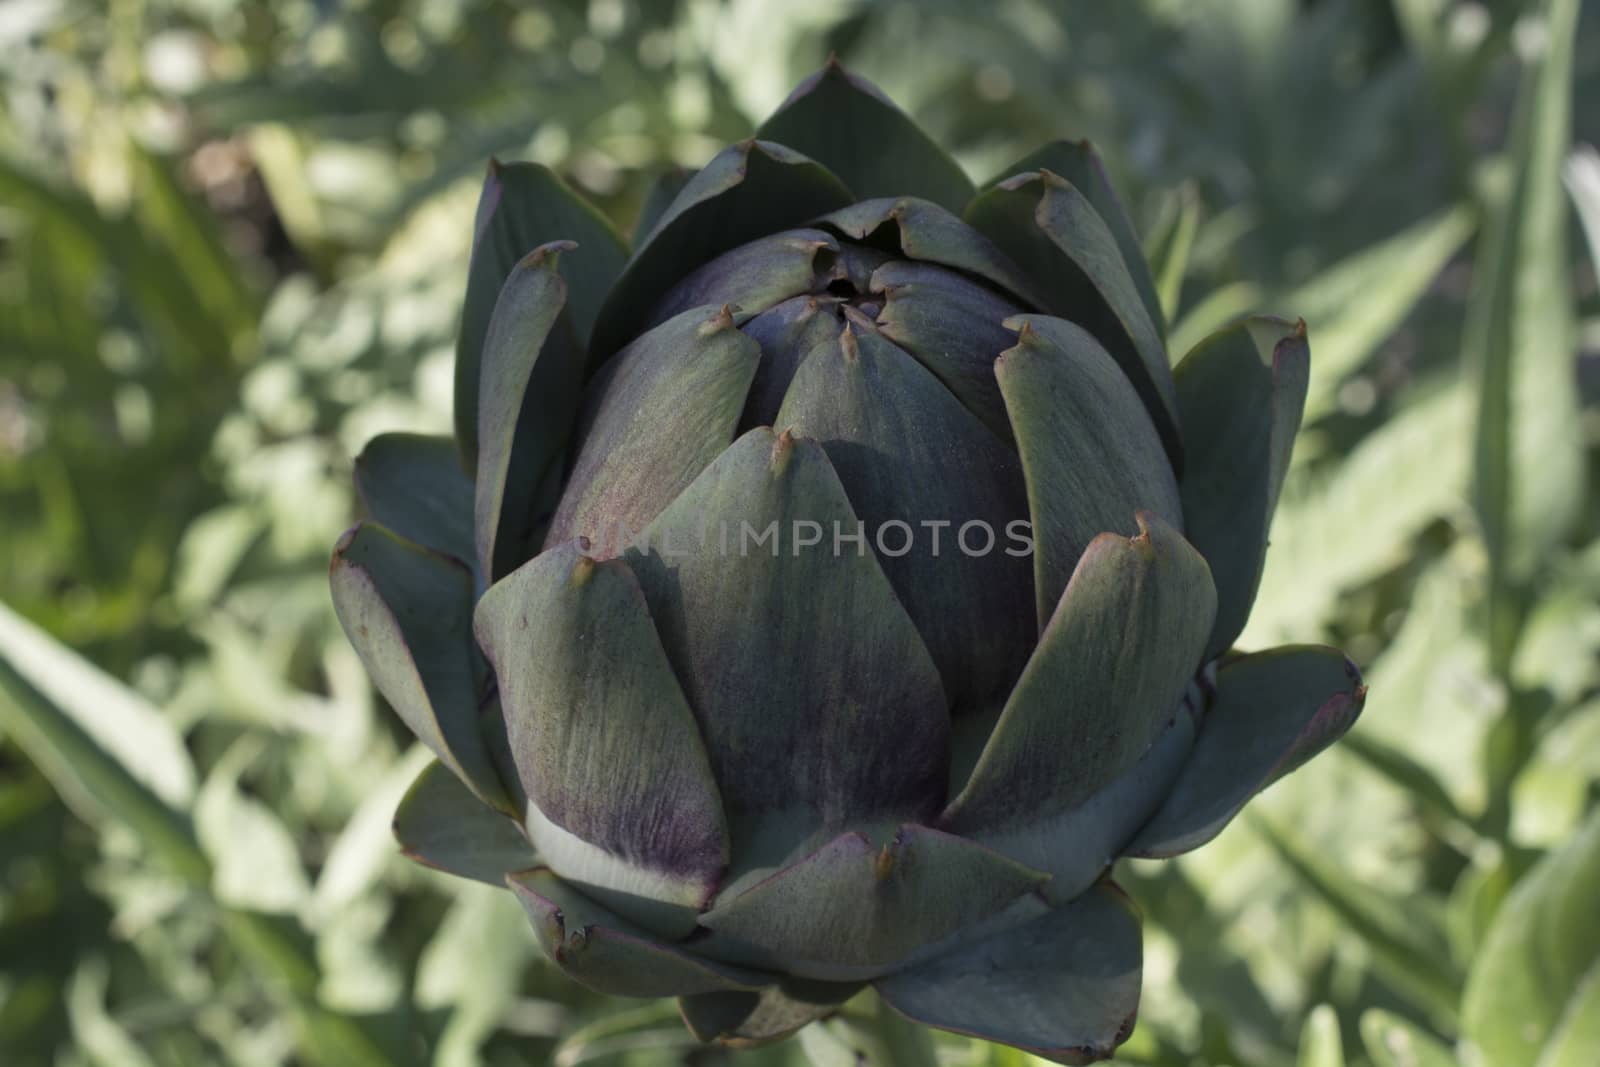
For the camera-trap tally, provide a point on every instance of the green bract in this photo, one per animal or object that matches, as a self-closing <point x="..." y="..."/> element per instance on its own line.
<point x="839" y="584"/>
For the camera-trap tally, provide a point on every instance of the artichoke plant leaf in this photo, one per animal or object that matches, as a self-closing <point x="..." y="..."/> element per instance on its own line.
<point x="953" y="326"/>
<point x="664" y="189"/>
<point x="855" y="908"/>
<point x="748" y="1019"/>
<point x="1271" y="712"/>
<point x="847" y="124"/>
<point x="531" y="379"/>
<point x="927" y="233"/>
<point x="1064" y="987"/>
<point x="440" y="824"/>
<point x="755" y="276"/>
<point x="749" y="190"/>
<point x="818" y="701"/>
<point x="666" y="407"/>
<point x="408" y="613"/>
<point x="1240" y="394"/>
<point x="412" y="484"/>
<point x="1090" y="453"/>
<point x="1102" y="686"/>
<point x="608" y="954"/>
<point x="786" y="333"/>
<point x="908" y="453"/>
<point x="523" y="206"/>
<point x="1052" y="230"/>
<point x="1080" y="164"/>
<point x="621" y="798"/>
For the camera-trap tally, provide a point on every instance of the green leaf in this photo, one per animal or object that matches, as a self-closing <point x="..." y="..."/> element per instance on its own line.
<point x="1270" y="712"/>
<point x="755" y="276"/>
<point x="926" y="232"/>
<point x="1582" y="175"/>
<point x="610" y="955"/>
<point x="413" y="484"/>
<point x="408" y="612"/>
<point x="1175" y="251"/>
<point x="523" y="206"/>
<point x="255" y="860"/>
<point x="858" y="908"/>
<point x="1053" y="231"/>
<point x="744" y="1020"/>
<point x="954" y="327"/>
<point x="440" y="824"/>
<point x="1404" y="939"/>
<point x="529" y="384"/>
<point x="95" y="782"/>
<point x="658" y="414"/>
<point x="1080" y="164"/>
<point x="846" y="123"/>
<point x="622" y="798"/>
<point x="1102" y="686"/>
<point x="907" y="452"/>
<point x="1359" y="302"/>
<point x="1533" y="995"/>
<point x="1326" y="536"/>
<point x="1320" y="1043"/>
<point x="1240" y="395"/>
<point x="750" y="190"/>
<point x="1065" y="987"/>
<point x="779" y="643"/>
<point x="1090" y="453"/>
<point x="111" y="715"/>
<point x="209" y="269"/>
<point x="856" y="1039"/>
<point x="1392" y="1041"/>
<point x="1529" y="478"/>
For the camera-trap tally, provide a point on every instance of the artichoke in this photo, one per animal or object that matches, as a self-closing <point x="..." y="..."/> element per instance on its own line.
<point x="839" y="583"/>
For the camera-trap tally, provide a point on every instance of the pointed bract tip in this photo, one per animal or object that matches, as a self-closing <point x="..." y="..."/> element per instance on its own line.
<point x="833" y="63"/>
<point x="582" y="571"/>
<point x="782" y="449"/>
<point x="848" y="345"/>
<point x="346" y="539"/>
<point x="1053" y="180"/>
<point x="720" y="322"/>
<point x="884" y="866"/>
<point x="494" y="167"/>
<point x="546" y="256"/>
<point x="1299" y="329"/>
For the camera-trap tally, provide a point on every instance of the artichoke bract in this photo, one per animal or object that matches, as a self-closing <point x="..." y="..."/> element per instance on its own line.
<point x="829" y="590"/>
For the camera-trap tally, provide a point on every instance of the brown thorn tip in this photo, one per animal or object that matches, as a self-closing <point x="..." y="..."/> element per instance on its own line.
<point x="848" y="344"/>
<point x="782" y="449"/>
<point x="885" y="864"/>
<point x="583" y="570"/>
<point x="1299" y="329"/>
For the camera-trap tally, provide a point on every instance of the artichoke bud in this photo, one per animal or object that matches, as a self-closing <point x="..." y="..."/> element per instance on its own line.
<point x="846" y="580"/>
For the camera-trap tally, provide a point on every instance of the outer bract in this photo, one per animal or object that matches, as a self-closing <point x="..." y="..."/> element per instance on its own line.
<point x="833" y="588"/>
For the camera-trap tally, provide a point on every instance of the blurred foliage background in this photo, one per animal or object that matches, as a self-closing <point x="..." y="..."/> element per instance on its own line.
<point x="233" y="238"/>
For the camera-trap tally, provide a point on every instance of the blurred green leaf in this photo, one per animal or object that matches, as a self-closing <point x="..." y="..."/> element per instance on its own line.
<point x="1583" y="182"/>
<point x="1529" y="477"/>
<point x="1356" y="304"/>
<point x="113" y="716"/>
<point x="1320" y="1043"/>
<point x="1405" y="939"/>
<point x="1171" y="262"/>
<point x="1533" y="995"/>
<point x="1338" y="528"/>
<point x="1392" y="1041"/>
